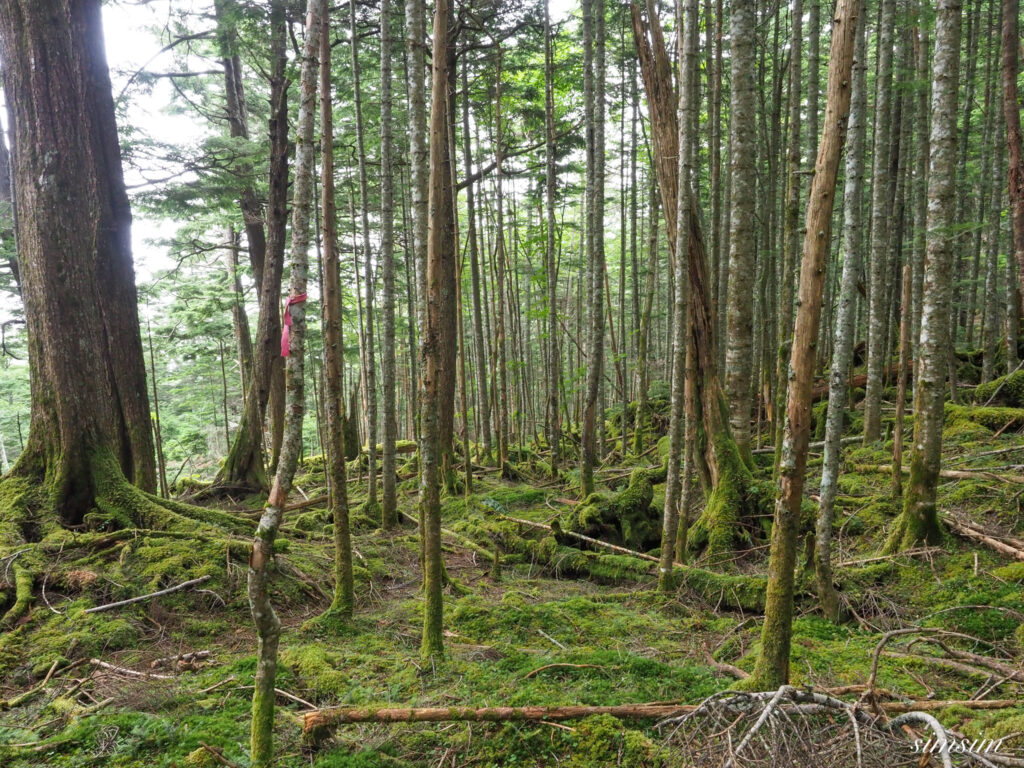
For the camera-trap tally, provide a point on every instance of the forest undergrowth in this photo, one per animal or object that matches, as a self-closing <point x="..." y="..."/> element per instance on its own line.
<point x="532" y="617"/>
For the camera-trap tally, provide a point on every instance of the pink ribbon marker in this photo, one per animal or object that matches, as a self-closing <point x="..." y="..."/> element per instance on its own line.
<point x="285" y="332"/>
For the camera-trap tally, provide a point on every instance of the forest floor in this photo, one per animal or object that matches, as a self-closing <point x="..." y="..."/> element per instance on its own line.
<point x="556" y="629"/>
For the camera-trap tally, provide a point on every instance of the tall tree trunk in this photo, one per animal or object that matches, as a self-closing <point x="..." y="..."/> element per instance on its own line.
<point x="500" y="303"/>
<point x="593" y="87"/>
<point x="791" y="233"/>
<point x="369" y="344"/>
<point x="238" y="127"/>
<point x="880" y="214"/>
<point x="389" y="508"/>
<point x="1011" y="113"/>
<point x="91" y="427"/>
<point x="344" y="591"/>
<point x="554" y="367"/>
<point x="688" y="106"/>
<point x="479" y="338"/>
<point x="724" y="476"/>
<point x="416" y="73"/>
<point x="919" y="521"/>
<point x="644" y="339"/>
<point x="993" y="315"/>
<point x="772" y="667"/>
<point x="742" y="152"/>
<point x="842" y="353"/>
<point x="243" y="465"/>
<point x="268" y="625"/>
<point x="438" y="337"/>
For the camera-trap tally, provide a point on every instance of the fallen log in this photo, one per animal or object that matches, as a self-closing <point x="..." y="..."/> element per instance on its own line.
<point x="949" y="474"/>
<point x="860" y="380"/>
<point x="320" y="719"/>
<point x="743" y="592"/>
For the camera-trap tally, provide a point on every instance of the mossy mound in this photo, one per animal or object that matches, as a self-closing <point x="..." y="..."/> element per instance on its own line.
<point x="627" y="519"/>
<point x="1006" y="390"/>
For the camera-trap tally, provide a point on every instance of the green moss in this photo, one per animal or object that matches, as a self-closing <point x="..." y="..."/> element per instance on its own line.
<point x="1008" y="390"/>
<point x="1011" y="572"/>
<point x="602" y="740"/>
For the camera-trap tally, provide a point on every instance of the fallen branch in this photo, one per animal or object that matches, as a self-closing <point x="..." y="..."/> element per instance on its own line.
<point x="814" y="446"/>
<point x="557" y="666"/>
<point x="894" y="555"/>
<point x="217" y="755"/>
<point x="335" y="716"/>
<point x="141" y="598"/>
<point x="129" y="672"/>
<point x="969" y="532"/>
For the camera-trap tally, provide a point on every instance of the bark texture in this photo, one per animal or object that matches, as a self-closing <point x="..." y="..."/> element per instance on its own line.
<point x="90" y="411"/>
<point x="919" y="520"/>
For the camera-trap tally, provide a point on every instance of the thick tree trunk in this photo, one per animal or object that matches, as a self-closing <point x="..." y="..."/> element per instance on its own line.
<point x="344" y="597"/>
<point x="742" y="153"/>
<point x="90" y="411"/>
<point x="919" y="521"/>
<point x="1011" y="113"/>
<point x="772" y="667"/>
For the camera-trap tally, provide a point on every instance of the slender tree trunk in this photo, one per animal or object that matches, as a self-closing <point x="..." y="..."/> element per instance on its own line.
<point x="993" y="315"/>
<point x="772" y="667"/>
<point x="901" y="383"/>
<point x="244" y="462"/>
<point x="389" y="509"/>
<point x="687" y="22"/>
<point x="416" y="50"/>
<point x="791" y="234"/>
<point x="842" y="354"/>
<point x="919" y="521"/>
<point x="479" y="338"/>
<point x="593" y="87"/>
<point x="554" y="372"/>
<point x="268" y="625"/>
<point x="438" y="333"/>
<point x="880" y="215"/>
<point x="644" y="341"/>
<point x="344" y="591"/>
<point x="369" y="343"/>
<point x="500" y="342"/>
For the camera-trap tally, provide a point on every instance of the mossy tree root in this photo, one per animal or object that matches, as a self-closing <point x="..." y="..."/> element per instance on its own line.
<point x="23" y="582"/>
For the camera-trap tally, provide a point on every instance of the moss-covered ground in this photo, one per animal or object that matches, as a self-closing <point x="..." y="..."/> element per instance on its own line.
<point x="561" y="625"/>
